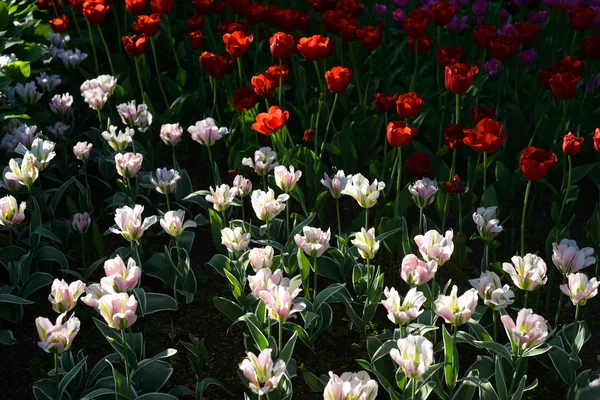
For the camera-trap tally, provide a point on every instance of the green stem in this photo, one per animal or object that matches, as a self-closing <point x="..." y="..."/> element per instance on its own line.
<point x="484" y="171"/>
<point x="328" y="125"/>
<point x="160" y="85"/>
<point x="280" y="82"/>
<point x="576" y="313"/>
<point x="280" y="339"/>
<point x="264" y="180"/>
<point x="168" y="202"/>
<point x="414" y="76"/>
<point x="441" y="137"/>
<point x="514" y="378"/>
<point x="421" y="220"/>
<point x="495" y="322"/>
<point x="560" y="301"/>
<point x="214" y="103"/>
<point x="239" y="65"/>
<point x="126" y="362"/>
<point x="112" y="70"/>
<point x="268" y="233"/>
<point x="525" y="299"/>
<point x="83" y="250"/>
<point x="212" y="168"/>
<point x="366" y="219"/>
<point x="486" y="256"/>
<point x="447" y="199"/>
<point x="56" y="364"/>
<point x="118" y="29"/>
<point x="172" y="41"/>
<point x="14" y="280"/>
<point x="368" y="82"/>
<point x="74" y="18"/>
<point x="93" y="47"/>
<point x="414" y="383"/>
<point x="287" y="221"/>
<point x="457" y="111"/>
<point x="339" y="220"/>
<point x="564" y="202"/>
<point x="398" y="180"/>
<point x="356" y="72"/>
<point x="523" y="213"/>
<point x="243" y="215"/>
<point x="139" y="75"/>
<point x="315" y="278"/>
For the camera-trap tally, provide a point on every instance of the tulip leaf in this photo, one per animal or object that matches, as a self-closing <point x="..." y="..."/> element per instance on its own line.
<point x="312" y="381"/>
<point x="35" y="282"/>
<point x="11" y="299"/>
<point x="151" y="375"/>
<point x="156" y="302"/>
<point x="100" y="367"/>
<point x="259" y="337"/>
<point x="494" y="348"/>
<point x="64" y="382"/>
<point x="119" y="381"/>
<point x="157" y="396"/>
<point x="288" y="350"/>
<point x="500" y="379"/>
<point x="228" y="307"/>
<point x="588" y="393"/>
<point x="205" y="383"/>
<point x="45" y="389"/>
<point x="450" y="358"/>
<point x="7" y="338"/>
<point x="560" y="360"/>
<point x="520" y="389"/>
<point x="326" y="294"/>
<point x="304" y="265"/>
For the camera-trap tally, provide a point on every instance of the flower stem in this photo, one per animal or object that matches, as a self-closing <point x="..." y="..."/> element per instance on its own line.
<point x="525" y="299"/>
<point x="564" y="202"/>
<point x="126" y="362"/>
<point x="268" y="234"/>
<point x="280" y="339"/>
<point x="172" y="41"/>
<point x="160" y="85"/>
<point x="212" y="168"/>
<point x="118" y="29"/>
<point x="560" y="301"/>
<point x="484" y="171"/>
<point x="93" y="46"/>
<point x="243" y="215"/>
<point x="366" y="219"/>
<point x="486" y="256"/>
<point x="56" y="371"/>
<point x="576" y="312"/>
<point x="457" y="111"/>
<point x="328" y="125"/>
<point x="339" y="220"/>
<point x="421" y="220"/>
<point x="514" y="378"/>
<point x="14" y="278"/>
<point x="441" y="137"/>
<point x="495" y="319"/>
<point x="315" y="278"/>
<point x="83" y="262"/>
<point x="414" y="386"/>
<point x="139" y="76"/>
<point x="168" y="202"/>
<point x="412" y="81"/>
<point x="398" y="180"/>
<point x="280" y="82"/>
<point x="368" y="82"/>
<point x="287" y="221"/>
<point x="524" y="212"/>
<point x="112" y="70"/>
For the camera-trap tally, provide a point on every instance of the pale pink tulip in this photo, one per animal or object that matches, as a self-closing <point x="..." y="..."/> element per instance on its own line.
<point x="63" y="296"/>
<point x="360" y="189"/>
<point x="278" y="301"/>
<point x="133" y="115"/>
<point x="128" y="164"/>
<point x="222" y="197"/>
<point x="492" y="292"/>
<point x="57" y="338"/>
<point x="118" y="140"/>
<point x="173" y="222"/>
<point x="23" y="170"/>
<point x="118" y="310"/>
<point x="265" y="159"/>
<point x="434" y="246"/>
<point x="235" y="239"/>
<point x="366" y="243"/>
<point x="265" y="278"/>
<point x="243" y="185"/>
<point x="527" y="272"/>
<point x="286" y="180"/>
<point x="206" y="132"/>
<point x="454" y="309"/>
<point x="314" y="241"/>
<point x="262" y="373"/>
<point x="414" y="355"/>
<point x="261" y="257"/>
<point x="11" y="213"/>
<point x="416" y="272"/>
<point x="401" y="312"/>
<point x="579" y="288"/>
<point x="129" y="222"/>
<point x="488" y="225"/>
<point x="568" y="258"/>
<point x="423" y="192"/>
<point x="266" y="206"/>
<point x="93" y="293"/>
<point x="82" y="151"/>
<point x="171" y="134"/>
<point x="61" y="104"/>
<point x="350" y="386"/>
<point x="124" y="277"/>
<point x="165" y="181"/>
<point x="42" y="151"/>
<point x="530" y="330"/>
<point x="335" y="184"/>
<point x="81" y="222"/>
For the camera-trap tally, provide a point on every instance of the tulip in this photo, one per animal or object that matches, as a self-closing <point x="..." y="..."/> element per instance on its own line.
<point x="399" y="134"/>
<point x="366" y="243"/>
<point x="491" y="291"/>
<point x="486" y="137"/>
<point x="28" y="93"/>
<point x="286" y="180"/>
<point x="128" y="164"/>
<point x="81" y="222"/>
<point x="118" y="310"/>
<point x="42" y="150"/>
<point x="416" y="23"/>
<point x="26" y="173"/>
<point x="266" y="206"/>
<point x="527" y="57"/>
<point x="58" y="129"/>
<point x="282" y="45"/>
<point x="580" y="18"/>
<point x="448" y="56"/>
<point x="264" y="161"/>
<point x="171" y="134"/>
<point x="454" y="309"/>
<point x="61" y="104"/>
<point x="262" y="373"/>
<point x="118" y="141"/>
<point x="568" y="258"/>
<point x="423" y="192"/>
<point x="216" y="66"/>
<point x="572" y="144"/>
<point x="527" y="273"/>
<point x="93" y="293"/>
<point x="385" y="102"/>
<point x="26" y="134"/>
<point x="480" y="112"/>
<point x="95" y="11"/>
<point x="279" y="302"/>
<point x="416" y="272"/>
<point x="414" y="355"/>
<point x="57" y="338"/>
<point x="82" y="151"/>
<point x="336" y="184"/>
<point x="149" y="25"/>
<point x="338" y="79"/>
<point x="242" y="185"/>
<point x="441" y="13"/>
<point x="206" y="132"/>
<point x="64" y="296"/>
<point x="315" y="47"/>
<point x="365" y="193"/>
<point x="135" y="116"/>
<point x="173" y="223"/>
<point x="264" y="86"/>
<point x="244" y="98"/>
<point x="349" y="386"/>
<point x="11" y="213"/>
<point x="165" y="181"/>
<point x="537" y="163"/>
<point x="234" y="239"/>
<point x="314" y="241"/>
<point x="222" y="197"/>
<point x="409" y="105"/>
<point x="487" y="223"/>
<point x="454" y="136"/>
<point x="59" y="24"/>
<point x="261" y="258"/>
<point x="369" y="37"/>
<point x="493" y="66"/>
<point x="459" y="77"/>
<point x="162" y="6"/>
<point x="271" y="121"/>
<point x="130" y="224"/>
<point x="135" y="45"/>
<point x="266" y="278"/>
<point x="579" y="288"/>
<point x="402" y="312"/>
<point x="49" y="83"/>
<point x="124" y="277"/>
<point x="529" y="331"/>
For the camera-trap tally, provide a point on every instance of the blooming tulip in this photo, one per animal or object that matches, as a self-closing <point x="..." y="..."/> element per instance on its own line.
<point x="64" y="296"/>
<point x="129" y="222"/>
<point x="125" y="277"/>
<point x="265" y="160"/>
<point x="279" y="302"/>
<point x="266" y="278"/>
<point x="349" y="386"/>
<point x="414" y="355"/>
<point x="365" y="193"/>
<point x="237" y="43"/>
<point x="336" y="184"/>
<point x="315" y="47"/>
<point x="266" y="206"/>
<point x="93" y="293"/>
<point x="491" y="291"/>
<point x="314" y="241"/>
<point x="262" y="373"/>
<point x="487" y="223"/>
<point x="173" y="223"/>
<point x="366" y="243"/>
<point x="242" y="185"/>
<point x="128" y="164"/>
<point x="271" y="121"/>
<point x="537" y="163"/>
<point x="527" y="272"/>
<point x="165" y="181"/>
<point x="61" y="104"/>
<point x="135" y="115"/>
<point x="434" y="246"/>
<point x="28" y="93"/>
<point x="454" y="309"/>
<point x="82" y="151"/>
<point x="572" y="144"/>
<point x="579" y="288"/>
<point x="409" y="105"/>
<point x="399" y="134"/>
<point x="135" y="45"/>
<point x="568" y="258"/>
<point x="529" y="331"/>
<point x="149" y="25"/>
<point x="286" y="180"/>
<point x="402" y="312"/>
<point x="42" y="150"/>
<point x="26" y="173"/>
<point x="118" y="140"/>
<point x="206" y="132"/>
<point x="234" y="239"/>
<point x="459" y="77"/>
<point x="171" y="134"/>
<point x="118" y="310"/>
<point x="57" y="338"/>
<point x="11" y="213"/>
<point x="486" y="137"/>
<point x="81" y="222"/>
<point x="222" y="197"/>
<point x="261" y="258"/>
<point x="423" y="191"/>
<point x="338" y="79"/>
<point x="416" y="272"/>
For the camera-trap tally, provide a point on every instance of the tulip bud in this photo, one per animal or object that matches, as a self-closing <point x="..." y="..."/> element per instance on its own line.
<point x="366" y="243"/>
<point x="82" y="151"/>
<point x="423" y="192"/>
<point x="11" y="213"/>
<point x="118" y="310"/>
<point x="81" y="222"/>
<point x="314" y="242"/>
<point x="579" y="288"/>
<point x="173" y="223"/>
<point x="64" y="296"/>
<point x="262" y="373"/>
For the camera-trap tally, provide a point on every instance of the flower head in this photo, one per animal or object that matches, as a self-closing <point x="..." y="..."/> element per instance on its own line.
<point x="58" y="337"/>
<point x="365" y="193"/>
<point x="314" y="241"/>
<point x="222" y="197"/>
<point x="286" y="179"/>
<point x="279" y="302"/>
<point x="174" y="223"/>
<point x="266" y="278"/>
<point x="261" y="258"/>
<point x="23" y="170"/>
<point x="120" y="278"/>
<point x="165" y="181"/>
<point x="128" y="164"/>
<point x="423" y="191"/>
<point x="118" y="310"/>
<point x="568" y="258"/>
<point x="434" y="246"/>
<point x="11" y="213"/>
<point x="414" y="355"/>
<point x="454" y="309"/>
<point x="487" y="223"/>
<point x="61" y="104"/>
<point x="243" y="185"/>
<point x="134" y="115"/>
<point x="81" y="222"/>
<point x="266" y="206"/>
<point x="416" y="272"/>
<point x="63" y="296"/>
<point x="265" y="160"/>
<point x="206" y="132"/>
<point x="349" y="386"/>
<point x="262" y="373"/>
<point x="336" y="184"/>
<point x="42" y="150"/>
<point x="527" y="272"/>
<point x="529" y="331"/>
<point x="491" y="291"/>
<point x="118" y="140"/>
<point x="366" y="243"/>
<point x="171" y="134"/>
<point x="82" y="151"/>
<point x="579" y="288"/>
<point x="234" y="239"/>
<point x="130" y="224"/>
<point x="402" y="312"/>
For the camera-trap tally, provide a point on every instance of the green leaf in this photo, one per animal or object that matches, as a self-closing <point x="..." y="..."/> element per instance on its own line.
<point x="156" y="396"/>
<point x="520" y="389"/>
<point x="150" y="376"/>
<point x="259" y="338"/>
<point x="312" y="381"/>
<point x="304" y="265"/>
<point x="326" y="293"/>
<point x="4" y="18"/>
<point x="228" y="307"/>
<point x="560" y="360"/>
<point x="204" y="384"/>
<point x="288" y="350"/>
<point x="64" y="382"/>
<point x="588" y="393"/>
<point x="7" y="338"/>
<point x="494" y="348"/>
<point x="42" y="231"/>
<point x="18" y="70"/>
<point x="35" y="282"/>
<point x="450" y="359"/>
<point x="11" y="299"/>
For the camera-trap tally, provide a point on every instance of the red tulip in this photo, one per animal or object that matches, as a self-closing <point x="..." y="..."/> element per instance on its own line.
<point x="244" y="98"/>
<point x="147" y="24"/>
<point x="459" y="77"/>
<point x="409" y="105"/>
<point x="419" y="165"/>
<point x="323" y="5"/>
<point x="273" y="73"/>
<point x="419" y="46"/>
<point x="449" y="55"/>
<point x="536" y="163"/>
<point x="563" y="85"/>
<point x="59" y="24"/>
<point x="348" y="28"/>
<point x="263" y="85"/>
<point x="338" y="79"/>
<point x="195" y="23"/>
<point x="308" y="135"/>
<point x="215" y="65"/>
<point x="352" y="7"/>
<point x="135" y="45"/>
<point x="316" y="47"/>
<point x="597" y="139"/>
<point x="161" y="6"/>
<point x="196" y="39"/>
<point x="453" y="136"/>
<point x="271" y="121"/>
<point x="416" y="23"/>
<point x="456" y="186"/>
<point x="255" y="13"/>
<point x="399" y="134"/>
<point x="484" y="35"/>
<point x="332" y="20"/>
<point x="136" y="7"/>
<point x="282" y="45"/>
<point x="526" y="33"/>
<point x="95" y="11"/>
<point x="202" y="6"/>
<point x="369" y="37"/>
<point x="504" y="48"/>
<point x="580" y="18"/>
<point x="572" y="144"/>
<point x="574" y="65"/>
<point x="237" y="43"/>
<point x="385" y="102"/>
<point x="487" y="136"/>
<point x="237" y="6"/>
<point x="228" y="26"/>
<point x="441" y="13"/>
<point x="591" y="47"/>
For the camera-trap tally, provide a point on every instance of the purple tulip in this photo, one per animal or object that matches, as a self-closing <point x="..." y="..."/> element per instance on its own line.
<point x="503" y="15"/>
<point x="527" y="57"/>
<point x="380" y="9"/>
<point x="479" y="8"/>
<point x="538" y="17"/>
<point x="399" y="16"/>
<point x="493" y="66"/>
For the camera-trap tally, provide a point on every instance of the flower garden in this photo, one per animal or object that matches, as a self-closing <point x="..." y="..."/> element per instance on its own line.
<point x="309" y="199"/>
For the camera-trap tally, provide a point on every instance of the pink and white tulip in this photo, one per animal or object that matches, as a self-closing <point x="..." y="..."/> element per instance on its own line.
<point x="279" y="302"/>
<point x="266" y="206"/>
<point x="118" y="140"/>
<point x="492" y="292"/>
<point x="265" y="159"/>
<point x="243" y="185"/>
<point x="529" y="331"/>
<point x="206" y="132"/>
<point x="285" y="179"/>
<point x="434" y="246"/>
<point x="61" y="104"/>
<point x="261" y="258"/>
<point x="400" y="311"/>
<point x="416" y="272"/>
<point x="266" y="278"/>
<point x="366" y="243"/>
<point x="414" y="355"/>
<point x="579" y="288"/>
<point x="568" y="258"/>
<point x="63" y="296"/>
<point x="81" y="222"/>
<point x="360" y="189"/>
<point x="42" y="150"/>
<point x="335" y="184"/>
<point x="133" y="115"/>
<point x="454" y="309"/>
<point x="173" y="222"/>
<point x="58" y="337"/>
<point x="11" y="213"/>
<point x="28" y="93"/>
<point x="23" y="170"/>
<point x="130" y="224"/>
<point x="423" y="192"/>
<point x="165" y="181"/>
<point x="124" y="277"/>
<point x="118" y="310"/>
<point x="171" y="134"/>
<point x="222" y="197"/>
<point x="93" y="294"/>
<point x="350" y="386"/>
<point x="82" y="151"/>
<point x="314" y="241"/>
<point x="488" y="225"/>
<point x="527" y="273"/>
<point x="128" y="164"/>
<point x="235" y="239"/>
<point x="262" y="373"/>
